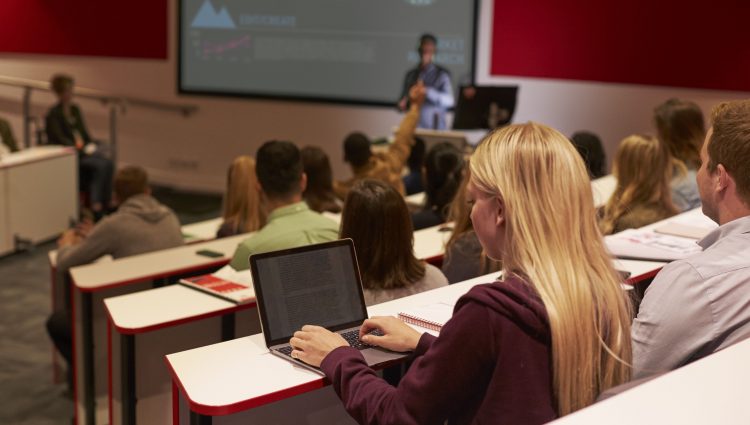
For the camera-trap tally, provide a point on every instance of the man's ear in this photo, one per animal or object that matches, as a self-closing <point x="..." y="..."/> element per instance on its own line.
<point x="723" y="179"/>
<point x="303" y="183"/>
<point x="500" y="218"/>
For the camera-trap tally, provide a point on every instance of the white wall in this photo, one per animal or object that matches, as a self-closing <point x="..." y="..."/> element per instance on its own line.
<point x="194" y="152"/>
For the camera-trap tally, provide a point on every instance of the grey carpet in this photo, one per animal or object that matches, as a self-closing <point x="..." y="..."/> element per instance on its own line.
<point x="27" y="394"/>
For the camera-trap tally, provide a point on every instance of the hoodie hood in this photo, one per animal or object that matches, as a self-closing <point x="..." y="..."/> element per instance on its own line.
<point x="145" y="207"/>
<point x="515" y="300"/>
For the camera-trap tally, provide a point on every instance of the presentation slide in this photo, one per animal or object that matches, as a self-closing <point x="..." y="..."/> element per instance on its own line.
<point x="355" y="51"/>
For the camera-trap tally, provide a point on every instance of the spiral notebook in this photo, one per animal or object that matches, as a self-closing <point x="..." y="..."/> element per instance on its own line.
<point x="431" y="316"/>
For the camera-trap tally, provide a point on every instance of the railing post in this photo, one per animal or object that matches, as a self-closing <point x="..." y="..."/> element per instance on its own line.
<point x="27" y="117"/>
<point x="113" y="133"/>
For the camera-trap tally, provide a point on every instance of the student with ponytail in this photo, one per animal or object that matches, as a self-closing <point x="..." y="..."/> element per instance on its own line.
<point x="542" y="342"/>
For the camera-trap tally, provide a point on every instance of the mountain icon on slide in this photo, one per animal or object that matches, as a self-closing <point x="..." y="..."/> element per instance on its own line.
<point x="208" y="17"/>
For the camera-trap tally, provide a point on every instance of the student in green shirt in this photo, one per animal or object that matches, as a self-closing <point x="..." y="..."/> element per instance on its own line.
<point x="291" y="223"/>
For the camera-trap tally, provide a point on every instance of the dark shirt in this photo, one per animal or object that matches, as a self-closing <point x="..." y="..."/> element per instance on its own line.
<point x="426" y="218"/>
<point x="413" y="182"/>
<point x="463" y="260"/>
<point x="61" y="130"/>
<point x="491" y="364"/>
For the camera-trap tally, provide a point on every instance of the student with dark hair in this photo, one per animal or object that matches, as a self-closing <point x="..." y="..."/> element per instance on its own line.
<point x="140" y="224"/>
<point x="680" y="126"/>
<point x="589" y="145"/>
<point x="443" y="170"/>
<point x="413" y="181"/>
<point x="319" y="193"/>
<point x="383" y="166"/>
<point x="377" y="219"/>
<point x="436" y="80"/>
<point x="65" y="126"/>
<point x="290" y="222"/>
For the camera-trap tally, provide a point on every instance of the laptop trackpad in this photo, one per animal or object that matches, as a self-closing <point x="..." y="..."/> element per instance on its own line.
<point x="375" y="356"/>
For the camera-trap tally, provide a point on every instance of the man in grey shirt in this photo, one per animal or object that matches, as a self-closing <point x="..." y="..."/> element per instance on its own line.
<point x="700" y="305"/>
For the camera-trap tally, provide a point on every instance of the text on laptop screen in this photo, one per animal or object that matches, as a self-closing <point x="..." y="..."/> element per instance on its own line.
<point x="313" y="287"/>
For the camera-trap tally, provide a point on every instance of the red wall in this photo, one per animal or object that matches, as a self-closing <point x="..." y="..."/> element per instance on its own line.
<point x="658" y="42"/>
<point x="132" y="28"/>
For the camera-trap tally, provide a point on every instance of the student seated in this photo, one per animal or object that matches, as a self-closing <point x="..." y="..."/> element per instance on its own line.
<point x="7" y="140"/>
<point x="464" y="256"/>
<point x="65" y="126"/>
<point x="589" y="145"/>
<point x="242" y="209"/>
<point x="680" y="126"/>
<point x="377" y="220"/>
<point x="383" y="166"/>
<point x="642" y="196"/>
<point x="319" y="193"/>
<point x="443" y="170"/>
<point x="701" y="304"/>
<point x="140" y="224"/>
<point x="541" y="343"/>
<point x="413" y="180"/>
<point x="291" y="223"/>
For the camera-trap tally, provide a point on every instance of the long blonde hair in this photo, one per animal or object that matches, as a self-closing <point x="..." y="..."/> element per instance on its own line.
<point x="643" y="170"/>
<point x="242" y="202"/>
<point x="553" y="243"/>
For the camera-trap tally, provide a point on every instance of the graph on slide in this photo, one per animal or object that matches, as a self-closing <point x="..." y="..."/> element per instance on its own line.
<point x="217" y="48"/>
<point x="209" y="17"/>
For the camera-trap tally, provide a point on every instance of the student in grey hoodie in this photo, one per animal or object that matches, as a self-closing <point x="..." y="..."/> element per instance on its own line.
<point x="140" y="224"/>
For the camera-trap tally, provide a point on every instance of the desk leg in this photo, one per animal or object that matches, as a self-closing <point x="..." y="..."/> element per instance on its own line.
<point x="87" y="339"/>
<point x="198" y="419"/>
<point x="127" y="382"/>
<point x="227" y="327"/>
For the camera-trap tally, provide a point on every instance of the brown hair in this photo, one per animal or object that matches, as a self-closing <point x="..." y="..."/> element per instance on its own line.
<point x="679" y="124"/>
<point x="642" y="169"/>
<point x="459" y="212"/>
<point x="376" y="217"/>
<point x="319" y="191"/>
<point x="61" y="82"/>
<point x="130" y="181"/>
<point x="242" y="202"/>
<point x="730" y="143"/>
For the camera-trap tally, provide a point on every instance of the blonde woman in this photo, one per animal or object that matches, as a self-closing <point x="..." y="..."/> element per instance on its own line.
<point x="642" y="195"/>
<point x="541" y="343"/>
<point x="243" y="211"/>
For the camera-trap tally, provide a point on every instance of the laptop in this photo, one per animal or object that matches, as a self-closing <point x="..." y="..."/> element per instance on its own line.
<point x="312" y="285"/>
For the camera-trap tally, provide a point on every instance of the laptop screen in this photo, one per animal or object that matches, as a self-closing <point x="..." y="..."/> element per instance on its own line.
<point x="316" y="285"/>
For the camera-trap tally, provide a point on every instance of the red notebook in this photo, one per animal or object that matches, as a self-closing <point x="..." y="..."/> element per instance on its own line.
<point x="431" y="316"/>
<point x="236" y="292"/>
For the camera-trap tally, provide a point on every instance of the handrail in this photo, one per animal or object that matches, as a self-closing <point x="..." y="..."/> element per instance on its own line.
<point x="113" y="101"/>
<point x="99" y="95"/>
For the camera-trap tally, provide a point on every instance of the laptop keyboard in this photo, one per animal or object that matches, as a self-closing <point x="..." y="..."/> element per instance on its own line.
<point x="352" y="337"/>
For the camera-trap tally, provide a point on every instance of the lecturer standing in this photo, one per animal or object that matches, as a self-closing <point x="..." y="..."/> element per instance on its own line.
<point x="437" y="81"/>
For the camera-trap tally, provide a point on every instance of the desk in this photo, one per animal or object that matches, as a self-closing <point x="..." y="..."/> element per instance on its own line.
<point x="619" y="245"/>
<point x="38" y="195"/>
<point x="93" y="283"/>
<point x="238" y="380"/>
<point x="202" y="230"/>
<point x="712" y="390"/>
<point x="603" y="188"/>
<point x="429" y="243"/>
<point x="152" y="323"/>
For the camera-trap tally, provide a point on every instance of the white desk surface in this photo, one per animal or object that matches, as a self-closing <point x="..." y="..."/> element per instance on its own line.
<point x="603" y="188"/>
<point x="416" y="199"/>
<point x="638" y="269"/>
<point x="623" y="248"/>
<point x="155" y="308"/>
<point x="430" y="242"/>
<point x="712" y="390"/>
<point x="95" y="276"/>
<point x="36" y="153"/>
<point x="202" y="230"/>
<point x="229" y="375"/>
<point x="240" y="374"/>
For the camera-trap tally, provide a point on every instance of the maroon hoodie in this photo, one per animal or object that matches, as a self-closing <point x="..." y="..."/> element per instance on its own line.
<point x="490" y="365"/>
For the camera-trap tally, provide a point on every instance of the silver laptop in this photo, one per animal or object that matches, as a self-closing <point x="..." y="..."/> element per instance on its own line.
<point x="312" y="285"/>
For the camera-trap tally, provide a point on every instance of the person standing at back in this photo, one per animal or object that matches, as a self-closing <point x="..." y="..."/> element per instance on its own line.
<point x="291" y="223"/>
<point x="701" y="304"/>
